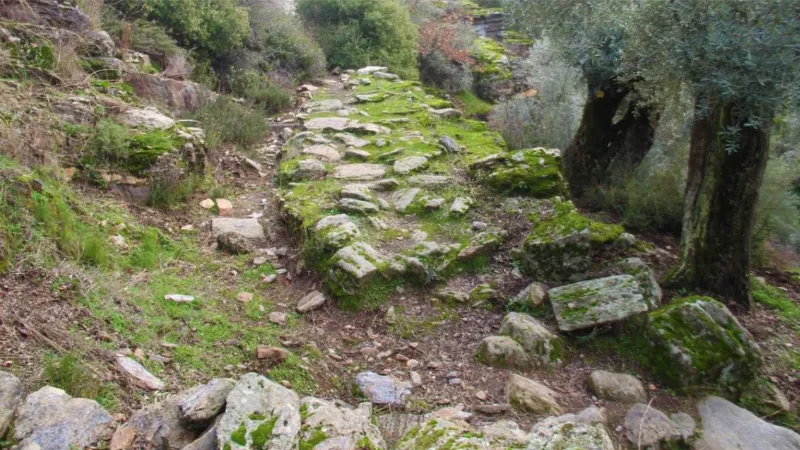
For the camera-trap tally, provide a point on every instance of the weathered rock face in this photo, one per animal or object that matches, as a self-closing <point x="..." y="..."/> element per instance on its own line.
<point x="533" y="296"/>
<point x="531" y="396"/>
<point x="648" y="284"/>
<point x="234" y="243"/>
<point x="726" y="427"/>
<point x="137" y="375"/>
<point x="260" y="414"/>
<point x="532" y="172"/>
<point x="383" y="390"/>
<point x="560" y="244"/>
<point x="581" y="431"/>
<point x="201" y="404"/>
<point x="11" y="396"/>
<point x="503" y="352"/>
<point x="249" y="228"/>
<point x="148" y="118"/>
<point x="441" y="431"/>
<point x="617" y="387"/>
<point x="647" y="427"/>
<point x="545" y="348"/>
<point x="697" y="342"/>
<point x="409" y="164"/>
<point x="159" y="425"/>
<point x="336" y="425"/>
<point x="173" y="94"/>
<point x="51" y="419"/>
<point x="337" y="231"/>
<point x="597" y="302"/>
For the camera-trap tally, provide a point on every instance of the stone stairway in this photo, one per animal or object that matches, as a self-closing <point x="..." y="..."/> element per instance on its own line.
<point x="388" y="186"/>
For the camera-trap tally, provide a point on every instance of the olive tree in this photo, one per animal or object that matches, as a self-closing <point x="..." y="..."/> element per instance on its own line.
<point x="741" y="60"/>
<point x="617" y="126"/>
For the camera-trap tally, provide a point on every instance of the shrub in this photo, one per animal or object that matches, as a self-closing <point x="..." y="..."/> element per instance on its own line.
<point x="354" y="33"/>
<point x="226" y="121"/>
<point x="115" y="146"/>
<point x="169" y="189"/>
<point x="259" y="89"/>
<point x="444" y="52"/>
<point x="280" y="42"/>
<point x="551" y="116"/>
<point x="68" y="373"/>
<point x="777" y="214"/>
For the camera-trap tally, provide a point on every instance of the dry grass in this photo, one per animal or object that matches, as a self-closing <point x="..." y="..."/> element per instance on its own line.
<point x="93" y="9"/>
<point x="67" y="62"/>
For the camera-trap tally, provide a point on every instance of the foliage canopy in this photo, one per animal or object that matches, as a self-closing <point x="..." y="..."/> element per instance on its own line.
<point x="356" y="33"/>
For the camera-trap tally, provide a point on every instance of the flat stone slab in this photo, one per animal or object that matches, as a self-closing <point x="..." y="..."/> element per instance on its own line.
<point x="351" y="141"/>
<point x="249" y="228"/>
<point x="430" y="180"/>
<point x="352" y="205"/>
<point x="344" y="124"/>
<point x="404" y="198"/>
<point x="597" y="302"/>
<point x="358" y="260"/>
<point x="371" y="69"/>
<point x="323" y="151"/>
<point x="383" y="390"/>
<point x="324" y="105"/>
<point x="727" y="426"/>
<point x="50" y="419"/>
<point x="357" y="191"/>
<point x="410" y="164"/>
<point x="362" y="172"/>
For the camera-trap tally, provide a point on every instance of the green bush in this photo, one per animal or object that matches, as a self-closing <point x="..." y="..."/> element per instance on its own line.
<point x="115" y="146"/>
<point x="260" y="90"/>
<point x="226" y="121"/>
<point x="777" y="214"/>
<point x="355" y="33"/>
<point x="279" y="42"/>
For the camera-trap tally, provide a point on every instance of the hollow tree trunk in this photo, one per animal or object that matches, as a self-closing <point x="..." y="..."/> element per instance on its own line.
<point x="719" y="210"/>
<point x="601" y="142"/>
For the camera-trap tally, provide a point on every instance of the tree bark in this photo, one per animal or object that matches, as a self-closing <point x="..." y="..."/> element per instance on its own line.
<point x="601" y="144"/>
<point x="720" y="205"/>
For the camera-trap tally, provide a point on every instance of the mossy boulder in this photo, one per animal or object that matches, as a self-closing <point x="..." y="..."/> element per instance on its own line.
<point x="333" y="424"/>
<point x="504" y="353"/>
<point x="443" y="433"/>
<point x="532" y="172"/>
<point x="560" y="244"/>
<point x="697" y="342"/>
<point x="592" y="303"/>
<point x="545" y="348"/>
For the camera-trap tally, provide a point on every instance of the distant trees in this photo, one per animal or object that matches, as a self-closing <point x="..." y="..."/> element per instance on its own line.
<point x="356" y="33"/>
<point x="741" y="61"/>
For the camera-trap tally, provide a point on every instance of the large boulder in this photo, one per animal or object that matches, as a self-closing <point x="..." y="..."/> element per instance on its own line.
<point x="173" y="94"/>
<point x="617" y="387"/>
<point x="533" y="172"/>
<point x="11" y="396"/>
<point x="532" y="396"/>
<point x="545" y="348"/>
<point x="726" y="427"/>
<point x="597" y="302"/>
<point x="644" y="275"/>
<point x="647" y="427"/>
<point x="560" y="243"/>
<point x="336" y="425"/>
<point x="442" y="431"/>
<point x="50" y="419"/>
<point x="260" y="414"/>
<point x="383" y="389"/>
<point x="504" y="353"/>
<point x="583" y="431"/>
<point x="696" y="341"/>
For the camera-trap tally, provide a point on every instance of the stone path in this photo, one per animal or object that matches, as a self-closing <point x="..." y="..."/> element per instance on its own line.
<point x="383" y="182"/>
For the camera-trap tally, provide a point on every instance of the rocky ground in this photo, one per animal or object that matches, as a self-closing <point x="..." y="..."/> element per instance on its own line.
<point x="380" y="250"/>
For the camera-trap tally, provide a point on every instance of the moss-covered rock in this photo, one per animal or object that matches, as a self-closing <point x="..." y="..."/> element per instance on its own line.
<point x="697" y="343"/>
<point x="545" y="348"/>
<point x="560" y="243"/>
<point x="328" y="424"/>
<point x="532" y="172"/>
<point x="504" y="353"/>
<point x="592" y="303"/>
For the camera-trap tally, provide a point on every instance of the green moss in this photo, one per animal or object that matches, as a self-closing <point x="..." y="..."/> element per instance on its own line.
<point x="365" y="444"/>
<point x="489" y="55"/>
<point x="472" y="106"/>
<point x="262" y="434"/>
<point x="317" y="436"/>
<point x="776" y="299"/>
<point x="239" y="435"/>
<point x="257" y="416"/>
<point x="714" y="350"/>
<point x="601" y="233"/>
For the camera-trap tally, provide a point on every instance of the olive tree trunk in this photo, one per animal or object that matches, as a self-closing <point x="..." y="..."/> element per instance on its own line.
<point x="603" y="143"/>
<point x="725" y="174"/>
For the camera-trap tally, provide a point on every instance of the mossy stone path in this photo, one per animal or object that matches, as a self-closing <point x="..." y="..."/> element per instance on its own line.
<point x="383" y="182"/>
